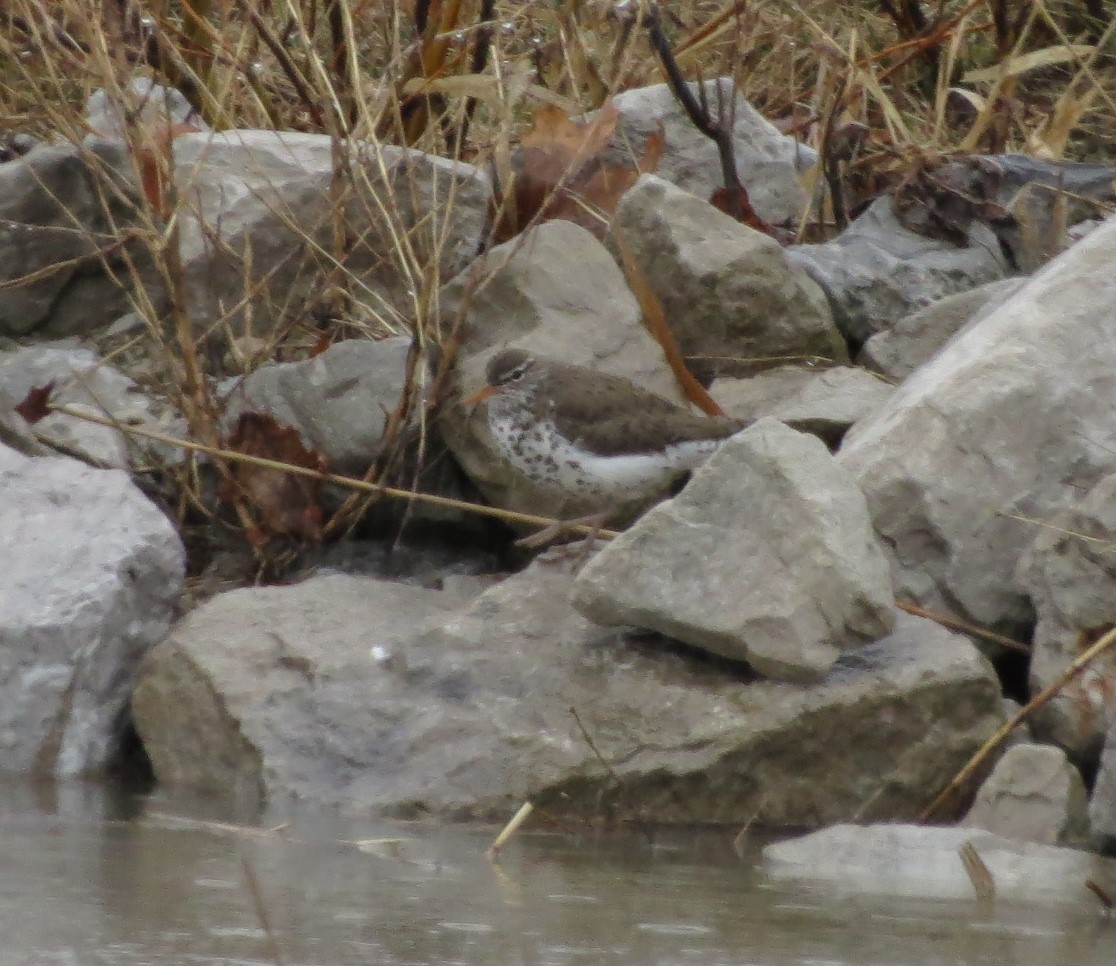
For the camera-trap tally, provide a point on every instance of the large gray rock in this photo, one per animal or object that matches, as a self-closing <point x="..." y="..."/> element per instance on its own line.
<point x="92" y="573"/>
<point x="358" y="692"/>
<point x="86" y="384"/>
<point x="767" y="160"/>
<point x="825" y="402"/>
<point x="1069" y="574"/>
<point x="1034" y="793"/>
<point x="767" y="556"/>
<point x="257" y="225"/>
<point x="916" y="338"/>
<point x="557" y="293"/>
<point x="339" y="401"/>
<point x="1015" y="416"/>
<point x="732" y="299"/>
<point x="878" y="271"/>
<point x="1102" y="803"/>
<point x="916" y="860"/>
<point x="63" y="214"/>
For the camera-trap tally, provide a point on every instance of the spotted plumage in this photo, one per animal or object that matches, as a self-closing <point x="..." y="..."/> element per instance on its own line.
<point x="588" y="437"/>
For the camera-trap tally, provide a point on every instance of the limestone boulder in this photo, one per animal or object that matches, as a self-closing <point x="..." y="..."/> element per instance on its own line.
<point x="257" y="226"/>
<point x="86" y="384"/>
<point x="93" y="572"/>
<point x="733" y="300"/>
<point x="1102" y="802"/>
<point x="878" y="271"/>
<point x="64" y="214"/>
<point x="339" y="401"/>
<point x="923" y="861"/>
<point x="1034" y="793"/>
<point x="824" y="402"/>
<point x="767" y="556"/>
<point x="898" y="351"/>
<point x="1014" y="418"/>
<point x="767" y="160"/>
<point x="387" y="698"/>
<point x="1069" y="576"/>
<point x="557" y="293"/>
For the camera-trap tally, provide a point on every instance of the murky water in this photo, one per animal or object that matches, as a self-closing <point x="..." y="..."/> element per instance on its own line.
<point x="87" y="877"/>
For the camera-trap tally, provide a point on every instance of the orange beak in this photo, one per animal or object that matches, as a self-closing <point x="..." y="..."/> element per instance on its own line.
<point x="479" y="396"/>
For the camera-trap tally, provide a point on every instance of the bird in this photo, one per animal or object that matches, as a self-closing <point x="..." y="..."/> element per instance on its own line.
<point x="591" y="440"/>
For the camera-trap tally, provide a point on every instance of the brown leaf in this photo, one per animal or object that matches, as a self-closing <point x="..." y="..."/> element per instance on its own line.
<point x="286" y="503"/>
<point x="558" y="170"/>
<point x="36" y="404"/>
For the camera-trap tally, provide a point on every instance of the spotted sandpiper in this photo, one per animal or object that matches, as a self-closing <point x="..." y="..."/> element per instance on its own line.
<point x="592" y="441"/>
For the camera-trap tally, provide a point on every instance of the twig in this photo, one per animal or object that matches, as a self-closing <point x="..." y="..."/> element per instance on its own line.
<point x="955" y="623"/>
<point x="508" y="516"/>
<point x="261" y="910"/>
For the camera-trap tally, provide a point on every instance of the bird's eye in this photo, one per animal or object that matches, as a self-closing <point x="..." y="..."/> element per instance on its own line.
<point x="518" y="372"/>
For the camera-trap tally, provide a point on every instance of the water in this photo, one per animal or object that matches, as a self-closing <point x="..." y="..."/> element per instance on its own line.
<point x="91" y="877"/>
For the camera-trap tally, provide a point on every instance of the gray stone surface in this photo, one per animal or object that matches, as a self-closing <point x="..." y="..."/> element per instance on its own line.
<point x="92" y="573"/>
<point x="253" y="198"/>
<point x="557" y="293"/>
<point x="877" y="271"/>
<point x="1102" y="803"/>
<point x="54" y="222"/>
<point x="1034" y="793"/>
<point x="360" y="693"/>
<point x="825" y="402"/>
<point x="767" y="556"/>
<point x="1016" y="415"/>
<point x="733" y="300"/>
<point x="84" y="383"/>
<point x="766" y="160"/>
<point x="149" y="105"/>
<point x="915" y="860"/>
<point x="1069" y="576"/>
<point x="339" y="401"/>
<point x="914" y="339"/>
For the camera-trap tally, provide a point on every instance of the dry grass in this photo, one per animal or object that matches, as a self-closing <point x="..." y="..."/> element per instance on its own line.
<point x="362" y="70"/>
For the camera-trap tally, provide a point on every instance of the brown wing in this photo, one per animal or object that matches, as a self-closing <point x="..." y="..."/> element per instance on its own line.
<point x="613" y="416"/>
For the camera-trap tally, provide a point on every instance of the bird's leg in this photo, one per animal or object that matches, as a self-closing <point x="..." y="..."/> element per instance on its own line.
<point x="562" y="528"/>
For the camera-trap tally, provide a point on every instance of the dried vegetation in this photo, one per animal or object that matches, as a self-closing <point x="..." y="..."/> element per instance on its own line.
<point x="882" y="89"/>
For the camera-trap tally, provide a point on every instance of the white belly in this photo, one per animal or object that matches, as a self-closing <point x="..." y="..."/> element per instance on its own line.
<point x="551" y="462"/>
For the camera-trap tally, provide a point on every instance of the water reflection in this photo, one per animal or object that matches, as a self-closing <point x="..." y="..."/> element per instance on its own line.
<point x="96" y="876"/>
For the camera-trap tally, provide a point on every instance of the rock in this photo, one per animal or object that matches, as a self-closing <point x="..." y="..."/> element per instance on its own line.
<point x="767" y="160"/>
<point x="253" y="199"/>
<point x="149" y="105"/>
<point x="767" y="556"/>
<point x="338" y="401"/>
<point x="93" y="571"/>
<point x="898" y="351"/>
<point x="1069" y="576"/>
<point x="732" y="297"/>
<point x="915" y="860"/>
<point x="1045" y="198"/>
<point x="1035" y="794"/>
<point x="1016" y="415"/>
<point x="54" y="224"/>
<point x="877" y="271"/>
<point x="85" y="383"/>
<point x="356" y="692"/>
<point x="1102" y="804"/>
<point x="558" y="293"/>
<point x="825" y="402"/>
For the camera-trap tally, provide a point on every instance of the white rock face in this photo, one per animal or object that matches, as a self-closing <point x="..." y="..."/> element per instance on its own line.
<point x="91" y="573"/>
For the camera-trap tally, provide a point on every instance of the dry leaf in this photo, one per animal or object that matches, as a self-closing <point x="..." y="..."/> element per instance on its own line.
<point x="286" y="503"/>
<point x="36" y="404"/>
<point x="558" y="170"/>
